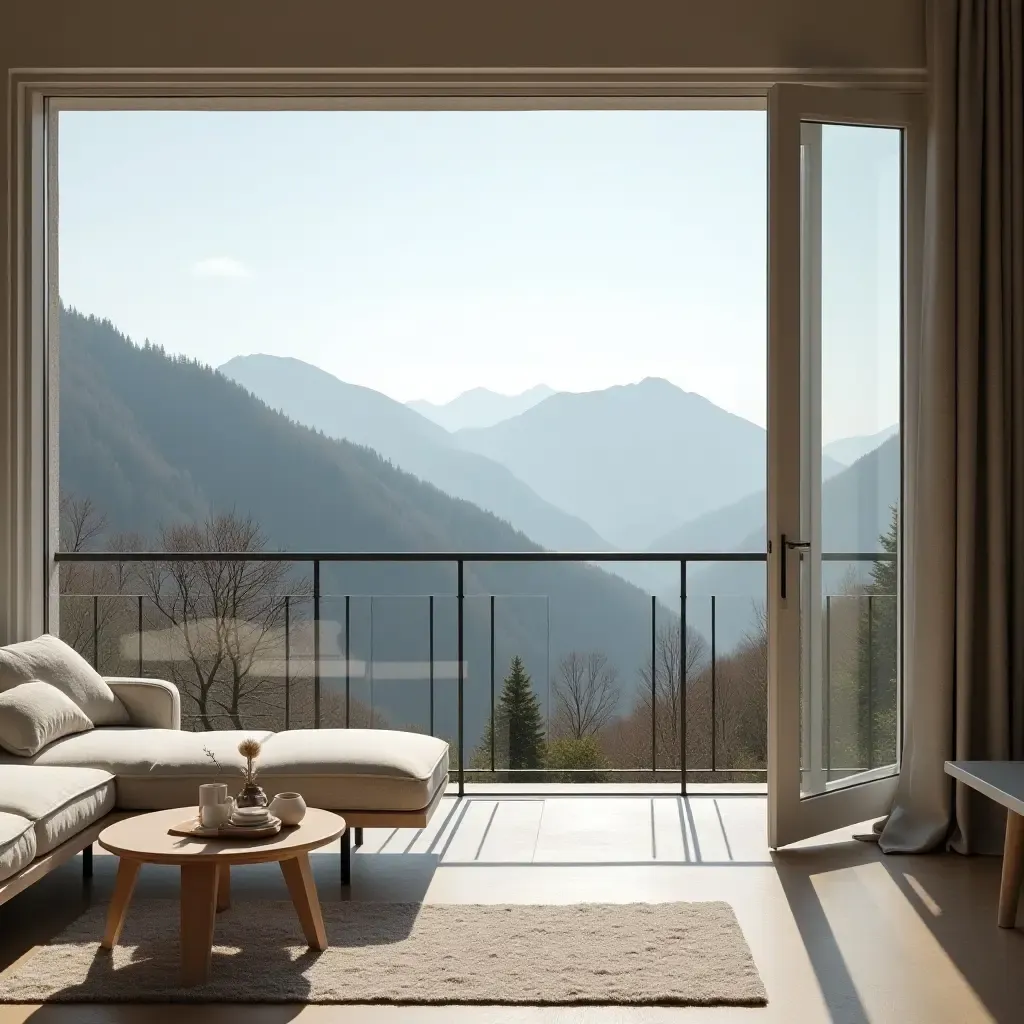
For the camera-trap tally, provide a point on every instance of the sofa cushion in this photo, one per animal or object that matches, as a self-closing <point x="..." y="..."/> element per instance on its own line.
<point x="51" y="660"/>
<point x="59" y="802"/>
<point x="356" y="769"/>
<point x="336" y="769"/>
<point x="17" y="844"/>
<point x="155" y="768"/>
<point x="35" y="714"/>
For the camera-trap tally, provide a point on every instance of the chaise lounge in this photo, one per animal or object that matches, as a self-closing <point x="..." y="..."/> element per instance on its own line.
<point x="78" y="750"/>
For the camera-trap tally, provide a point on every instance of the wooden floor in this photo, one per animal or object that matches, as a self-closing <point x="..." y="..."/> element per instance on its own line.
<point x="839" y="932"/>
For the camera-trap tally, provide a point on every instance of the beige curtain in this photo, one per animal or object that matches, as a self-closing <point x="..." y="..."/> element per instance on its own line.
<point x="964" y="569"/>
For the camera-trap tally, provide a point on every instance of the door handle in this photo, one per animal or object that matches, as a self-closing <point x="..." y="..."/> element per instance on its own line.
<point x="788" y="545"/>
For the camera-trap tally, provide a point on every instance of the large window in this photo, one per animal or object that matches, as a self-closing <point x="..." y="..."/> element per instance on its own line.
<point x="437" y="331"/>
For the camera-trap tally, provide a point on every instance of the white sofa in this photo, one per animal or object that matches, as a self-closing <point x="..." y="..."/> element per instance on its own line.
<point x="54" y="803"/>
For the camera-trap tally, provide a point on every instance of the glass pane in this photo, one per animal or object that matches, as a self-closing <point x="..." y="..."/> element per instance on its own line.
<point x="851" y="336"/>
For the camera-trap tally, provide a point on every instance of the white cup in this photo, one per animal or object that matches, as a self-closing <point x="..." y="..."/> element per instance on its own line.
<point x="213" y="793"/>
<point x="215" y="805"/>
<point x="215" y="815"/>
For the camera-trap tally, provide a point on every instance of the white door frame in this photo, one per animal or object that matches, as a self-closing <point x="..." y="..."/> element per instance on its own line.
<point x="794" y="431"/>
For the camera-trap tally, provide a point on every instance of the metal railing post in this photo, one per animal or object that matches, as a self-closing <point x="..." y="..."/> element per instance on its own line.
<point x="714" y="718"/>
<point x="431" y="664"/>
<point x="654" y="687"/>
<point x="140" y="634"/>
<point x="371" y="664"/>
<point x="96" y="632"/>
<point x="461" y="673"/>
<point x="348" y="661"/>
<point x="287" y="664"/>
<point x="682" y="676"/>
<point x="871" y="682"/>
<point x="316" y="643"/>
<point x="492" y="683"/>
<point x="828" y="687"/>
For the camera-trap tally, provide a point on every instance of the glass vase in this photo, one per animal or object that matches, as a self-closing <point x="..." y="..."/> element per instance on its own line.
<point x="251" y="796"/>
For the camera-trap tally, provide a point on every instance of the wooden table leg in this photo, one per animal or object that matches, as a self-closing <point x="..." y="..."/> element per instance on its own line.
<point x="124" y="886"/>
<point x="1013" y="870"/>
<point x="298" y="874"/>
<point x="223" y="887"/>
<point x="198" y="910"/>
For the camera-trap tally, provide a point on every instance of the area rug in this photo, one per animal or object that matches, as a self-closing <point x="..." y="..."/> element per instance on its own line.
<point x="672" y="954"/>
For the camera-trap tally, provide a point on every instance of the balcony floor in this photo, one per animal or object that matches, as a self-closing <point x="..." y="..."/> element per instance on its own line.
<point x="839" y="932"/>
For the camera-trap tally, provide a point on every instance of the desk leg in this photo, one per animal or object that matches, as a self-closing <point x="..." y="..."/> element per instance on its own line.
<point x="198" y="910"/>
<point x="1013" y="870"/>
<point x="298" y="874"/>
<point x="124" y="886"/>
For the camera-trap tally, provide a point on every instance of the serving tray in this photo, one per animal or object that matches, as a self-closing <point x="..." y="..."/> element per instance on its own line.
<point x="194" y="830"/>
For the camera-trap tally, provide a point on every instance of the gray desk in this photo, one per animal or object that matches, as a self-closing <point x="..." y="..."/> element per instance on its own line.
<point x="1002" y="781"/>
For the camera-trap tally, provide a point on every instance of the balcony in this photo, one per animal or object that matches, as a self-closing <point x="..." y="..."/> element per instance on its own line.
<point x="276" y="640"/>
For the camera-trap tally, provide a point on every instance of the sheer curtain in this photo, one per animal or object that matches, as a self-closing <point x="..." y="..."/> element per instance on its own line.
<point x="964" y="569"/>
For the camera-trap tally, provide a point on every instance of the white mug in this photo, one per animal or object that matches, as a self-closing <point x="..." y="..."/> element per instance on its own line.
<point x="215" y="805"/>
<point x="213" y="793"/>
<point x="215" y="815"/>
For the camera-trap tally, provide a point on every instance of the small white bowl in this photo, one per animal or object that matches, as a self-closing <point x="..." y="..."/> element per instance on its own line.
<point x="289" y="807"/>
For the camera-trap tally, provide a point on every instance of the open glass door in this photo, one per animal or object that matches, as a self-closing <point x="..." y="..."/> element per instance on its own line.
<point x="841" y="166"/>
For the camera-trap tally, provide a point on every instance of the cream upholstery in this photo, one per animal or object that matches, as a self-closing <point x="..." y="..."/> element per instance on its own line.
<point x="356" y="769"/>
<point x="51" y="660"/>
<point x="17" y="844"/>
<point x="151" y="703"/>
<point x="57" y="802"/>
<point x="337" y="769"/>
<point x="34" y="714"/>
<point x="141" y="760"/>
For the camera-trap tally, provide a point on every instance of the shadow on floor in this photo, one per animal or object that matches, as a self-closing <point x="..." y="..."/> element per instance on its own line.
<point x="954" y="896"/>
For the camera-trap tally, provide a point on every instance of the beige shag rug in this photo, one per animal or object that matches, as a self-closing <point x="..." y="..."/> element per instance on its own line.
<point x="675" y="954"/>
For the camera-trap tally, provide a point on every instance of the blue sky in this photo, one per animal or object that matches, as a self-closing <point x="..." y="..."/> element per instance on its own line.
<point x="424" y="253"/>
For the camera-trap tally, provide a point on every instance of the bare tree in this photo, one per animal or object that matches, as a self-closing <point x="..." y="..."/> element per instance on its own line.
<point x="742" y="712"/>
<point x="80" y="523"/>
<point x="93" y="609"/>
<point x="658" y="705"/>
<point x="586" y="694"/>
<point x="225" y="621"/>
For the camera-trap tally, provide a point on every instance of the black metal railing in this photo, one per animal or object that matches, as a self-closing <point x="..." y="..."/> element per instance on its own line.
<point x="460" y="560"/>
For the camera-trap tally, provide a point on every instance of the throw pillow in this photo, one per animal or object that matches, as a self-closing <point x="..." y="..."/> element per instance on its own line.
<point x="34" y="714"/>
<point x="52" y="661"/>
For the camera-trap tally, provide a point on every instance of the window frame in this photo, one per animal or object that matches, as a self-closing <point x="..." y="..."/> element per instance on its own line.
<point x="29" y="512"/>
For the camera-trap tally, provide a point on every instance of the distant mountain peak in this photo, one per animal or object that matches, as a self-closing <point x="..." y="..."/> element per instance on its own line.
<point x="481" y="407"/>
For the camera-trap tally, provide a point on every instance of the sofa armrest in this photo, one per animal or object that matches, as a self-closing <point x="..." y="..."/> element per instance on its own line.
<point x="151" y="703"/>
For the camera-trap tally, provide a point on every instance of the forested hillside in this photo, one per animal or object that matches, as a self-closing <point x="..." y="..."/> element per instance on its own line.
<point x="155" y="441"/>
<point x="317" y="399"/>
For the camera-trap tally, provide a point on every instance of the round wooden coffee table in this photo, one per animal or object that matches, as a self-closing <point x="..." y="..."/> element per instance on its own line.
<point x="205" y="874"/>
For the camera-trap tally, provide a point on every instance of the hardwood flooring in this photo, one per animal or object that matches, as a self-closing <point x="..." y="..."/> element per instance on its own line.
<point x="840" y="933"/>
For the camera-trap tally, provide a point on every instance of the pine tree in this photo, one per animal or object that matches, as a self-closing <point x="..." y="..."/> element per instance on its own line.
<point x="879" y="654"/>
<point x="518" y="726"/>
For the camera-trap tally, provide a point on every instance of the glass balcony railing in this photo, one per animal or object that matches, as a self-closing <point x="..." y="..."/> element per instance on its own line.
<point x="536" y="667"/>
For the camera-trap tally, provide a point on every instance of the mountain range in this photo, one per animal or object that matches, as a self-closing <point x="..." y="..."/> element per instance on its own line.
<point x="480" y="407"/>
<point x="156" y="440"/>
<point x="848" y="450"/>
<point x="343" y="411"/>
<point x="634" y="461"/>
<point x="574" y="469"/>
